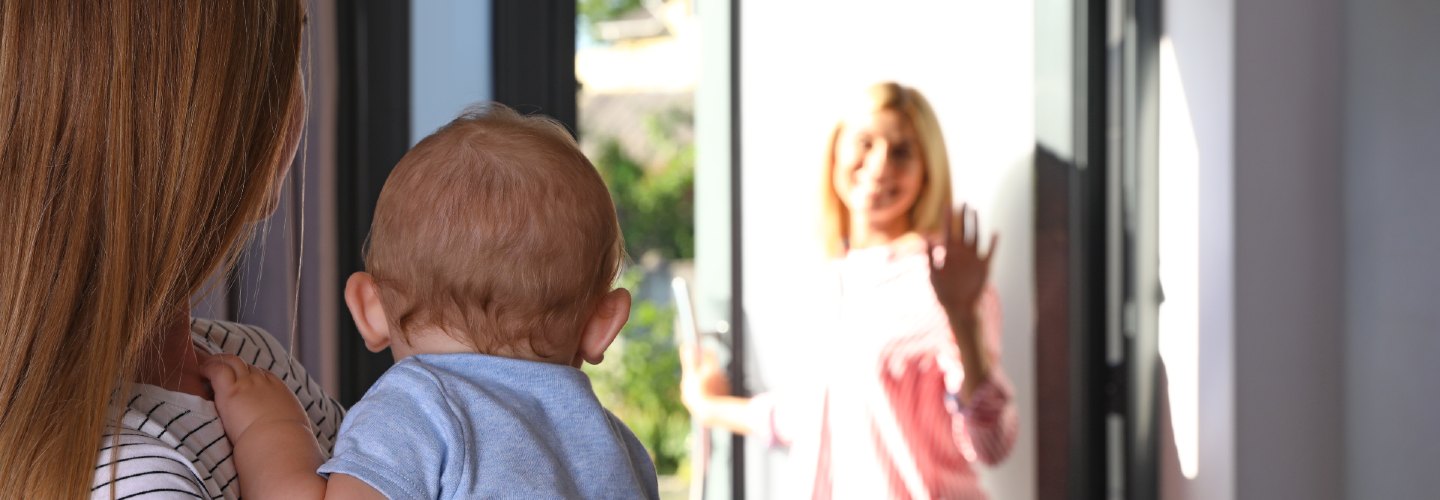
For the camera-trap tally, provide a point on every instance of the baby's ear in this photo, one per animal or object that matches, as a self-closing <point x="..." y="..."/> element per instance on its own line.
<point x="604" y="325"/>
<point x="362" y="296"/>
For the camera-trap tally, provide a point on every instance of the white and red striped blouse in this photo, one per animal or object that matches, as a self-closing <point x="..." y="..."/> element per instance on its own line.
<point x="881" y="419"/>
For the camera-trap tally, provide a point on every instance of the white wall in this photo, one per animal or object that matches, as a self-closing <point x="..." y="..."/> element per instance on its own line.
<point x="1392" y="241"/>
<point x="1336" y="114"/>
<point x="1289" y="296"/>
<point x="1055" y="75"/>
<point x="802" y="61"/>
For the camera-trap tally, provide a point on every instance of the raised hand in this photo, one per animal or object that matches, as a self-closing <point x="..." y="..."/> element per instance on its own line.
<point x="959" y="272"/>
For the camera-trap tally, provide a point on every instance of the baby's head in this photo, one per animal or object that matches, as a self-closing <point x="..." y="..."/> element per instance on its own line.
<point x="493" y="235"/>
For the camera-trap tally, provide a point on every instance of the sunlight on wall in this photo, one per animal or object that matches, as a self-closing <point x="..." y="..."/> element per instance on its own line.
<point x="1180" y="259"/>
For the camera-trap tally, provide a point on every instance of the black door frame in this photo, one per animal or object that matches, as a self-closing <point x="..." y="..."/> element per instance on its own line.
<point x="1085" y="258"/>
<point x="372" y="133"/>
<point x="533" y="44"/>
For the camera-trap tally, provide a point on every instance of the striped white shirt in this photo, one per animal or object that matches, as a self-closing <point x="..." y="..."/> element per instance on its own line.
<point x="171" y="444"/>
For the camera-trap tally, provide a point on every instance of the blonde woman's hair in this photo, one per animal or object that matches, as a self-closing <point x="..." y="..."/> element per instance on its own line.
<point x="929" y="209"/>
<point x="140" y="142"/>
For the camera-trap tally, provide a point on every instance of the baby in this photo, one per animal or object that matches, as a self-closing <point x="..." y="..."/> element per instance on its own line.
<point x="490" y="265"/>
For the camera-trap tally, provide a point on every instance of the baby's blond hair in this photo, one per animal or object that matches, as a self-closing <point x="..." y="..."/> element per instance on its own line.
<point x="498" y="226"/>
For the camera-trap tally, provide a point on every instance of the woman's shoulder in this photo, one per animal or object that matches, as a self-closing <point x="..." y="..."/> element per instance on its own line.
<point x="133" y="464"/>
<point x="166" y="443"/>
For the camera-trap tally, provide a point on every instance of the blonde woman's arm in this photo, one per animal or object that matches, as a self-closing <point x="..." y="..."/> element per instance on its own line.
<point x="986" y="407"/>
<point x="705" y="391"/>
<point x="960" y="275"/>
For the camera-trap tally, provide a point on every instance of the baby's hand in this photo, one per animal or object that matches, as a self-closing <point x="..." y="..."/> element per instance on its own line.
<point x="250" y="398"/>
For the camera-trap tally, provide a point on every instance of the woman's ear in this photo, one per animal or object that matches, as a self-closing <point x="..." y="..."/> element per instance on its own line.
<point x="362" y="296"/>
<point x="604" y="325"/>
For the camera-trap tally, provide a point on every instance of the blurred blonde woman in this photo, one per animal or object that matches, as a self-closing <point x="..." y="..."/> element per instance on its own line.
<point x="140" y="144"/>
<point x="910" y="395"/>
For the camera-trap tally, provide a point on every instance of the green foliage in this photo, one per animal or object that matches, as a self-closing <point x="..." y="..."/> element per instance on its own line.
<point x="640" y="380"/>
<point x="593" y="12"/>
<point x="656" y="206"/>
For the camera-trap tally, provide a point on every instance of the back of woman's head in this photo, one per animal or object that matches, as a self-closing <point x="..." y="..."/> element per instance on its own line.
<point x="934" y="199"/>
<point x="140" y="141"/>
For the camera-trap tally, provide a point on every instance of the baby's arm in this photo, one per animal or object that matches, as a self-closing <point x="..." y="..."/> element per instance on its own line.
<point x="276" y="454"/>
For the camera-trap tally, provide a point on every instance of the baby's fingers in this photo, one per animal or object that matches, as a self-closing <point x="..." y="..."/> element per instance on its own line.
<point x="223" y="370"/>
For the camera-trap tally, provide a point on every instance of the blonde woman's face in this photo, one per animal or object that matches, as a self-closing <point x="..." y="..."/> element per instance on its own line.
<point x="879" y="169"/>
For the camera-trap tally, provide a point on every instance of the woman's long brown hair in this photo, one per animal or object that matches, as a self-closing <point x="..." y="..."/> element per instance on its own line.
<point x="140" y="141"/>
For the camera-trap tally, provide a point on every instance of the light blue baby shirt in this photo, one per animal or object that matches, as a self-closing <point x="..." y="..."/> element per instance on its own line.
<point x="478" y="426"/>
